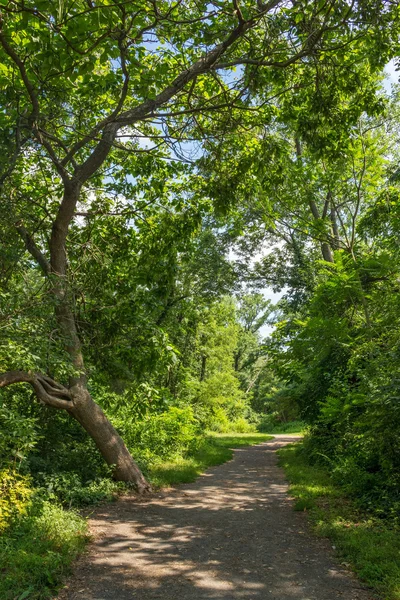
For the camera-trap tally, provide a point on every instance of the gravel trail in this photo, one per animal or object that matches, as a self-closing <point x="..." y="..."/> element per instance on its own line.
<point x="231" y="535"/>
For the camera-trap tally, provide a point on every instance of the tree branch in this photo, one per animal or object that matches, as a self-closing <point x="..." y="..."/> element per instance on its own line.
<point x="48" y="391"/>
<point x="148" y="107"/>
<point x="33" y="248"/>
<point x="28" y="85"/>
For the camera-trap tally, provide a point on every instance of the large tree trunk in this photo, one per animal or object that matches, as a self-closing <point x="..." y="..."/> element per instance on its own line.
<point x="77" y="401"/>
<point x="325" y="247"/>
<point x="75" y="398"/>
<point x="107" y="439"/>
<point x="327" y="252"/>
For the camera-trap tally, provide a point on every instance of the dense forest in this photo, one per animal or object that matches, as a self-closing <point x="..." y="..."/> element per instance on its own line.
<point x="164" y="166"/>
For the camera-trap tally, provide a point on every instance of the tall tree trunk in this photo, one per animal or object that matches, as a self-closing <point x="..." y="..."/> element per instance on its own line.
<point x="75" y="399"/>
<point x="335" y="229"/>
<point x="325" y="247"/>
<point x="327" y="252"/>
<point x="203" y="367"/>
<point x="107" y="439"/>
<point x="237" y="361"/>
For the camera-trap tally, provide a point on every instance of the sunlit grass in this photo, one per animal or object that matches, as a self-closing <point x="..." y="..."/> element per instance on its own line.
<point x="293" y="427"/>
<point x="214" y="450"/>
<point x="370" y="546"/>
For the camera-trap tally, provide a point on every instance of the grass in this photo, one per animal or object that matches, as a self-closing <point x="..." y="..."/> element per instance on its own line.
<point x="37" y="550"/>
<point x="295" y="427"/>
<point x="215" y="449"/>
<point x="371" y="547"/>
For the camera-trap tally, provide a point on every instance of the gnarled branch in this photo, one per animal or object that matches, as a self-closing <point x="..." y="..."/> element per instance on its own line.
<point x="47" y="390"/>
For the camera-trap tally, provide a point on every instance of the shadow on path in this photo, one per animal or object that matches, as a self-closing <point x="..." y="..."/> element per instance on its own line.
<point x="230" y="535"/>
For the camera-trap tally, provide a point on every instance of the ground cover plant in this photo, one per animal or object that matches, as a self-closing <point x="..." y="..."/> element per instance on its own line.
<point x="362" y="541"/>
<point x="36" y="550"/>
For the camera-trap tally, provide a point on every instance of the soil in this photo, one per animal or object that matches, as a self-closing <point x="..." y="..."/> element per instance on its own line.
<point x="231" y="535"/>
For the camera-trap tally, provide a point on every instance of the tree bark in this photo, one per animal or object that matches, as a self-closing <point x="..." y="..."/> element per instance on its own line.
<point x="107" y="439"/>
<point x="325" y="247"/>
<point x="75" y="399"/>
<point x="78" y="402"/>
<point x="335" y="229"/>
<point x="203" y="367"/>
<point x="327" y="252"/>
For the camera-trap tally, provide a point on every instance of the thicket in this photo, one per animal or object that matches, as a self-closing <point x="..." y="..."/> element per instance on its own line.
<point x="160" y="165"/>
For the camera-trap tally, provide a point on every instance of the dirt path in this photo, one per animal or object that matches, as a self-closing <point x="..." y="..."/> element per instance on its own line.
<point x="230" y="535"/>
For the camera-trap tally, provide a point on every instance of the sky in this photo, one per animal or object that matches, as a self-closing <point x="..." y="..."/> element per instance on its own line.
<point x="392" y="75"/>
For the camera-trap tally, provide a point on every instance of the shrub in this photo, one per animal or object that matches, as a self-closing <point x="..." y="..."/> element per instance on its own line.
<point x="18" y="435"/>
<point x="239" y="425"/>
<point x="69" y="488"/>
<point x="165" y="435"/>
<point x="15" y="494"/>
<point x="270" y="424"/>
<point x="36" y="552"/>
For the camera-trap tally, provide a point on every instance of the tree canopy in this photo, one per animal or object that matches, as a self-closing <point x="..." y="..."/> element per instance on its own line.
<point x="162" y="164"/>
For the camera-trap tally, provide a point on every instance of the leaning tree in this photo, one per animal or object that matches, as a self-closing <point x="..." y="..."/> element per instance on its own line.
<point x="84" y="83"/>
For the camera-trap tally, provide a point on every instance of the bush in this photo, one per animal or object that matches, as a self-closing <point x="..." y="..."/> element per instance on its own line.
<point x="15" y="494"/>
<point x="36" y="552"/>
<point x="218" y="401"/>
<point x="239" y="425"/>
<point x="270" y="424"/>
<point x="69" y="489"/>
<point x="18" y="434"/>
<point x="164" y="436"/>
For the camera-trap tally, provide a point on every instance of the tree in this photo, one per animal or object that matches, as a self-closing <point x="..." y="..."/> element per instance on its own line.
<point x="336" y="350"/>
<point x="83" y="83"/>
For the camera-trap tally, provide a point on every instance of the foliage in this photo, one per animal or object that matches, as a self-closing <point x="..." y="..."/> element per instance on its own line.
<point x="166" y="435"/>
<point x="18" y="434"/>
<point x="367" y="544"/>
<point x="269" y="424"/>
<point x="150" y="153"/>
<point x="36" y="552"/>
<point x="15" y="493"/>
<point x="333" y="357"/>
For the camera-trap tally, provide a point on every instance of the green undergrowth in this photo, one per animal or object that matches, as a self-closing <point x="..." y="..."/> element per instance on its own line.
<point x="370" y="546"/>
<point x="36" y="550"/>
<point x="215" y="449"/>
<point x="268" y="426"/>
